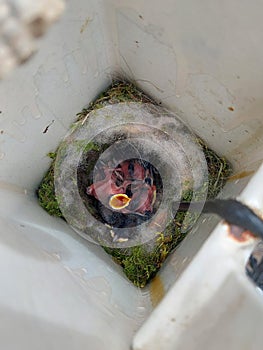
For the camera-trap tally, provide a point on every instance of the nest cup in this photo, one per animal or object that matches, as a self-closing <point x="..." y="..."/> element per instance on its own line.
<point x="115" y="136"/>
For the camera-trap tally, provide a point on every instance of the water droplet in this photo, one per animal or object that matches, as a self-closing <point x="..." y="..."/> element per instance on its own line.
<point x="84" y="69"/>
<point x="67" y="268"/>
<point x="21" y="121"/>
<point x="141" y="308"/>
<point x="65" y="77"/>
<point x="56" y="256"/>
<point x="140" y="311"/>
<point x="185" y="260"/>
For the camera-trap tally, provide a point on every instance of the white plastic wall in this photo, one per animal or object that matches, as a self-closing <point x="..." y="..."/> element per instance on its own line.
<point x="201" y="59"/>
<point x="57" y="290"/>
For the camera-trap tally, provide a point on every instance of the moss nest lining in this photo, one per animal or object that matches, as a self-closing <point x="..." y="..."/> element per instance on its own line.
<point x="141" y="263"/>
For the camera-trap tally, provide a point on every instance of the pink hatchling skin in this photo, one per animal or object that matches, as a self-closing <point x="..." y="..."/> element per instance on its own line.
<point x="116" y="181"/>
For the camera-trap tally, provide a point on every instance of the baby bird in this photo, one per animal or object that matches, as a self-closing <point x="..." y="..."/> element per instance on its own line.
<point x="127" y="189"/>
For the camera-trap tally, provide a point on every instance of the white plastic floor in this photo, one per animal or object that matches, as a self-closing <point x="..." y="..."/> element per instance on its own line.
<point x="58" y="291"/>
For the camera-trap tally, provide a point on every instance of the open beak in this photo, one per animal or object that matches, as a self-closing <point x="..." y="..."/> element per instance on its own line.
<point x="119" y="201"/>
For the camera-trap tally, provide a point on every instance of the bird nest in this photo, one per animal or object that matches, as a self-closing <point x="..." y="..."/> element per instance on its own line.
<point x="119" y="175"/>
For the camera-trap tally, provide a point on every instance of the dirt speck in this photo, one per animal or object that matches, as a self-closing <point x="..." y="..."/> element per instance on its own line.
<point x="47" y="127"/>
<point x="231" y="109"/>
<point x="85" y="24"/>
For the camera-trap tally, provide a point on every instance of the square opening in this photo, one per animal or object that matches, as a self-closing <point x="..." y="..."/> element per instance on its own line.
<point x="188" y="67"/>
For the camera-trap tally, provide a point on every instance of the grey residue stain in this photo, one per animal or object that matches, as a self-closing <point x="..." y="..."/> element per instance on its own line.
<point x="46" y="109"/>
<point x="157" y="33"/>
<point x="151" y="83"/>
<point x="134" y="81"/>
<point x="131" y="77"/>
<point x="17" y="129"/>
<point x="198" y="44"/>
<point x="47" y="82"/>
<point x="31" y="112"/>
<point x="203" y="92"/>
<point x="14" y="129"/>
<point x="2" y="154"/>
<point x="152" y="37"/>
<point x="252" y="144"/>
<point x="76" y="65"/>
<point x="127" y="65"/>
<point x="99" y="290"/>
<point x="181" y="73"/>
<point x="152" y="29"/>
<point x="11" y="187"/>
<point x="17" y="133"/>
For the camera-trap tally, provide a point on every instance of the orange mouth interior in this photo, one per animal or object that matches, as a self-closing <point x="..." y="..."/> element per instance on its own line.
<point x="119" y="201"/>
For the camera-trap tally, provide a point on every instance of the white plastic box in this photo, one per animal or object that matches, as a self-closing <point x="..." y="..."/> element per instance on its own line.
<point x="201" y="59"/>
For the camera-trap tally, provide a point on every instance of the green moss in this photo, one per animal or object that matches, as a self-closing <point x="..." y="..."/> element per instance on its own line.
<point x="119" y="92"/>
<point x="46" y="192"/>
<point x="83" y="146"/>
<point x="219" y="170"/>
<point x="52" y="155"/>
<point x="141" y="263"/>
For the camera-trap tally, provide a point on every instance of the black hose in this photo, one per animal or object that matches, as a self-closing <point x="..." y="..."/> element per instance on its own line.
<point x="233" y="211"/>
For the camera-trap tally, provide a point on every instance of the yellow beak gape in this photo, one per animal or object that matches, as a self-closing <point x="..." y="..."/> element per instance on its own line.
<point x="119" y="201"/>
